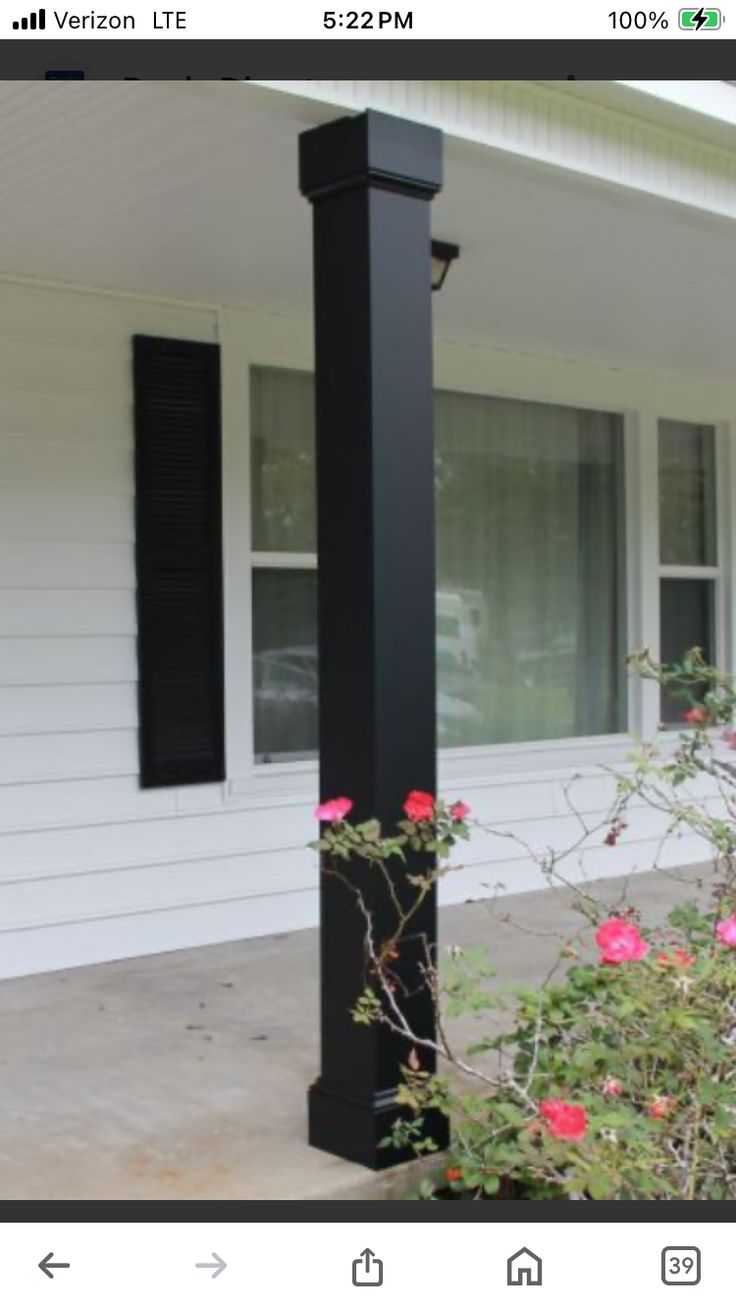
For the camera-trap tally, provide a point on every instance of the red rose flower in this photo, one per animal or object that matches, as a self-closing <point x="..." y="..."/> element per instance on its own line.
<point x="697" y="715"/>
<point x="454" y="1174"/>
<point x="620" y="942"/>
<point x="419" y="805"/>
<point x="566" y="1122"/>
<point x="459" y="811"/>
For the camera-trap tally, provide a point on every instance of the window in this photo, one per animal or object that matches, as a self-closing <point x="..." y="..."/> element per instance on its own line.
<point x="284" y="504"/>
<point x="285" y="662"/>
<point x="687" y="546"/>
<point x="531" y="630"/>
<point x="530" y="596"/>
<point x="284" y="561"/>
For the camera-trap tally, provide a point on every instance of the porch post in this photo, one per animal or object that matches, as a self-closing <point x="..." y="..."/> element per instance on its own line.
<point x="369" y="179"/>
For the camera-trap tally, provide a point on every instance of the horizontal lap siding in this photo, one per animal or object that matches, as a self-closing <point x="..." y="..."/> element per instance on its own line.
<point x="35" y="710"/>
<point x="127" y="891"/>
<point x="79" y="468"/>
<point x="66" y="565"/>
<point x="53" y="756"/>
<point x="65" y="944"/>
<point x="27" y="660"/>
<point x="98" y="612"/>
<point x="67" y="600"/>
<point x="47" y="515"/>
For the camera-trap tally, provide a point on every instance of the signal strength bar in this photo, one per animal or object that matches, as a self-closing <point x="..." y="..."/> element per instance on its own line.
<point x="34" y="22"/>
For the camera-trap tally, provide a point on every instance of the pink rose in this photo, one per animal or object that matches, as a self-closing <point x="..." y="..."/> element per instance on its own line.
<point x="459" y="811"/>
<point x="726" y="931"/>
<point x="566" y="1122"/>
<point x="333" y="811"/>
<point x="620" y="942"/>
<point x="612" y="1086"/>
<point x="419" y="806"/>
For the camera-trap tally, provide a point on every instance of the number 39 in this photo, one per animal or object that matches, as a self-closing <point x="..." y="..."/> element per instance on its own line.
<point x="678" y="1265"/>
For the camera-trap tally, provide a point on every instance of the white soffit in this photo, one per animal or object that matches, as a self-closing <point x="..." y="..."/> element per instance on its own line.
<point x="705" y="111"/>
<point x="678" y="145"/>
<point x="189" y="191"/>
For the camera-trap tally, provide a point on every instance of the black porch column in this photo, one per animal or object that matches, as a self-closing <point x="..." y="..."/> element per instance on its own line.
<point x="370" y="179"/>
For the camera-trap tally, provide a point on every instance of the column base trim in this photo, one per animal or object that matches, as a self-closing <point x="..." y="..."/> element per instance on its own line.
<point x="353" y="1129"/>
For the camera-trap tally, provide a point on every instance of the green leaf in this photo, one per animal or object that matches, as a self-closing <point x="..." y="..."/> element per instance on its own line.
<point x="370" y="831"/>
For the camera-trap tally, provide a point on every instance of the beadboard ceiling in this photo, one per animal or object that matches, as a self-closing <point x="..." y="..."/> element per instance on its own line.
<point x="189" y="190"/>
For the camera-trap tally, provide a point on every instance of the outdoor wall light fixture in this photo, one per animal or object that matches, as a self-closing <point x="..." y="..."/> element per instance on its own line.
<point x="443" y="254"/>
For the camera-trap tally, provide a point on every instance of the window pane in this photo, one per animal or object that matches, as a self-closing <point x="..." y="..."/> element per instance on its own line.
<point x="530" y="604"/>
<point x="285" y="662"/>
<point x="283" y="488"/>
<point x="686" y="616"/>
<point x="687" y="516"/>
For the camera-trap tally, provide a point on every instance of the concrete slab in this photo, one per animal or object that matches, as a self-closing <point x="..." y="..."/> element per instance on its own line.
<point x="183" y="1076"/>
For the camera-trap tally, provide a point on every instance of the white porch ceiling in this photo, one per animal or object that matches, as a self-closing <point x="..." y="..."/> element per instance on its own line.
<point x="189" y="190"/>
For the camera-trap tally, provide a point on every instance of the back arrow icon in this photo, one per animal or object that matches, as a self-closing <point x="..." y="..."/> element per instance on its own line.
<point x="46" y="1265"/>
<point x="219" y="1265"/>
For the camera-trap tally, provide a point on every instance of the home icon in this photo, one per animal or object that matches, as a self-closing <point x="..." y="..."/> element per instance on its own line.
<point x="524" y="1269"/>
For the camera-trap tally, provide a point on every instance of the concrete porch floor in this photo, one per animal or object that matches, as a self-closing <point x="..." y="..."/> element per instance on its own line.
<point x="183" y="1076"/>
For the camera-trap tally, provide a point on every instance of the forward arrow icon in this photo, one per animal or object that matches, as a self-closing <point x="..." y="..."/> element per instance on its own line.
<point x="219" y="1265"/>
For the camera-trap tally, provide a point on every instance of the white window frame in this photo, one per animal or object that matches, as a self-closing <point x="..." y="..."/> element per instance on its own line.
<point x="263" y="342"/>
<point x="715" y="573"/>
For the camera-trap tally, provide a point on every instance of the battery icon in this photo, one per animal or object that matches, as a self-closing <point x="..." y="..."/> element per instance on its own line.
<point x="700" y="20"/>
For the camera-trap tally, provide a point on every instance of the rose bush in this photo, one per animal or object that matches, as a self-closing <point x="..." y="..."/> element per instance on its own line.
<point x="616" y="1079"/>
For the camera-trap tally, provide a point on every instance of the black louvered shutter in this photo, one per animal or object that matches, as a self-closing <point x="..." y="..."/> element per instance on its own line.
<point x="179" y="561"/>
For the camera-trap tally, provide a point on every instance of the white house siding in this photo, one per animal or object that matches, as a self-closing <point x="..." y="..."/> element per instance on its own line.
<point x="92" y="867"/>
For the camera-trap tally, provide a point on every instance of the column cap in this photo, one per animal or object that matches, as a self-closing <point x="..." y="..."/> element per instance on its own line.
<point x="370" y="149"/>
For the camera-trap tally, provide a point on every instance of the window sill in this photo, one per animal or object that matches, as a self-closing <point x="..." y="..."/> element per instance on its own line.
<point x="478" y="765"/>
